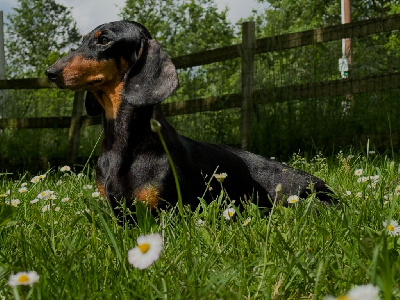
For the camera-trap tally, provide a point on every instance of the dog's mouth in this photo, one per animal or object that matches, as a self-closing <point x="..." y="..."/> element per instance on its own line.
<point x="79" y="82"/>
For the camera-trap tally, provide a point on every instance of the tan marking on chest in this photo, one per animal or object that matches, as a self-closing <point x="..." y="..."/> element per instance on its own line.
<point x="110" y="99"/>
<point x="148" y="195"/>
<point x="101" y="189"/>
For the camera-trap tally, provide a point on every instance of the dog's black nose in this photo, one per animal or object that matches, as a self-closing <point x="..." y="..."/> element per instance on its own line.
<point x="52" y="73"/>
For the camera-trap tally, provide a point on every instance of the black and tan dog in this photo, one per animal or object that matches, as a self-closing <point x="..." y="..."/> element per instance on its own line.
<point x="128" y="75"/>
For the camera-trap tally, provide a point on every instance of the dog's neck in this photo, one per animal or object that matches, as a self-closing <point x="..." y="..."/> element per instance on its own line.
<point x="131" y="129"/>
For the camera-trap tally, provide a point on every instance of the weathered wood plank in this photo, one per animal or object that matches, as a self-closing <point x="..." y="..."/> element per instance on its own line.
<point x="24" y="123"/>
<point x="327" y="34"/>
<point x="207" y="57"/>
<point x="26" y="83"/>
<point x="330" y="88"/>
<point x="201" y="105"/>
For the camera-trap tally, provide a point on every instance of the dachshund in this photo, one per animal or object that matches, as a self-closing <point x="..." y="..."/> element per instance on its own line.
<point x="127" y="75"/>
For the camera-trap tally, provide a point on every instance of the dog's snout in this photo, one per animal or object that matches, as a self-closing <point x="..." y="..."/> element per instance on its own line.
<point x="52" y="73"/>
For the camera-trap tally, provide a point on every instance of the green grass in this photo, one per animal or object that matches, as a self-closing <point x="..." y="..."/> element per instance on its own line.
<point x="304" y="251"/>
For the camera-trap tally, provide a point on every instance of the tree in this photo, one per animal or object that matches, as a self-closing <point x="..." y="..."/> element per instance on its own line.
<point x="38" y="32"/>
<point x="182" y="26"/>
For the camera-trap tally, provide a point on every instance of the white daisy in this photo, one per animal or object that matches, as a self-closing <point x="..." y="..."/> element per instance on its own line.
<point x="147" y="251"/>
<point x="65" y="199"/>
<point x="15" y="202"/>
<point x="364" y="292"/>
<point x="46" y="208"/>
<point x="87" y="187"/>
<point x="24" y="184"/>
<point x="229" y="213"/>
<point x="23" y="278"/>
<point x="246" y="222"/>
<point x="397" y="190"/>
<point x="34" y="201"/>
<point x="65" y="169"/>
<point x="35" y="179"/>
<point x="220" y="177"/>
<point x="22" y="190"/>
<point x="95" y="194"/>
<point x="57" y="208"/>
<point x="393" y="228"/>
<point x="46" y="195"/>
<point x="293" y="199"/>
<point x="358" y="172"/>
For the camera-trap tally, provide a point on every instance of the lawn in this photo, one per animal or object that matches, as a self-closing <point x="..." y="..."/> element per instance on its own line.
<point x="57" y="225"/>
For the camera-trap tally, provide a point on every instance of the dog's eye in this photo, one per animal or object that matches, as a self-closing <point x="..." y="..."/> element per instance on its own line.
<point x="103" y="40"/>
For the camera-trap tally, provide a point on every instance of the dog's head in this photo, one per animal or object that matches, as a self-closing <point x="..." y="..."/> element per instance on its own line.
<point x="117" y="61"/>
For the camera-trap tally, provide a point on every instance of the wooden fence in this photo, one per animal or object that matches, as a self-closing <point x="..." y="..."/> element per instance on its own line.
<point x="245" y="100"/>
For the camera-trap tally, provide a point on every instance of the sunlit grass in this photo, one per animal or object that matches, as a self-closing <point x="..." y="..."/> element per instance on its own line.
<point x="65" y="232"/>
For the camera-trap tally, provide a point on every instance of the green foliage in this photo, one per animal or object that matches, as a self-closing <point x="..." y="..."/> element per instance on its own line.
<point x="182" y="27"/>
<point x="37" y="34"/>
<point x="79" y="250"/>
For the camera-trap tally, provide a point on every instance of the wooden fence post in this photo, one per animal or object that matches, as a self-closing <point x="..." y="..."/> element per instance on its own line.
<point x="75" y="127"/>
<point x="247" y="55"/>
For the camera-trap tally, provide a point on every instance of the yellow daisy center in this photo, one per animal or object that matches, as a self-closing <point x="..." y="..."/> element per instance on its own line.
<point x="23" y="278"/>
<point x="230" y="213"/>
<point x="144" y="247"/>
<point x="390" y="227"/>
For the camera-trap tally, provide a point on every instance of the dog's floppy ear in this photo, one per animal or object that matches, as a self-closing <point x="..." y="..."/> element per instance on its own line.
<point x="152" y="78"/>
<point x="92" y="105"/>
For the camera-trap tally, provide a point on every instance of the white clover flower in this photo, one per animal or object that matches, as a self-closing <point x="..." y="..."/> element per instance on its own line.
<point x="34" y="201"/>
<point x="393" y="228"/>
<point x="293" y="199"/>
<point x="65" y="169"/>
<point x="220" y="177"/>
<point x="15" y="202"/>
<point x="229" y="213"/>
<point x="95" y="194"/>
<point x="358" y="172"/>
<point x="147" y="251"/>
<point x="23" y="278"/>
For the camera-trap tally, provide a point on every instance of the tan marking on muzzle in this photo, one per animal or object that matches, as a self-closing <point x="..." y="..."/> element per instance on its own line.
<point x="101" y="77"/>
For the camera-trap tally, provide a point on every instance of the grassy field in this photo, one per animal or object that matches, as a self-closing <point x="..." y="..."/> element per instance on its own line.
<point x="61" y="229"/>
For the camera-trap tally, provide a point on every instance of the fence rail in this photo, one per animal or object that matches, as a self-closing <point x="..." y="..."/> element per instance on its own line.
<point x="246" y="50"/>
